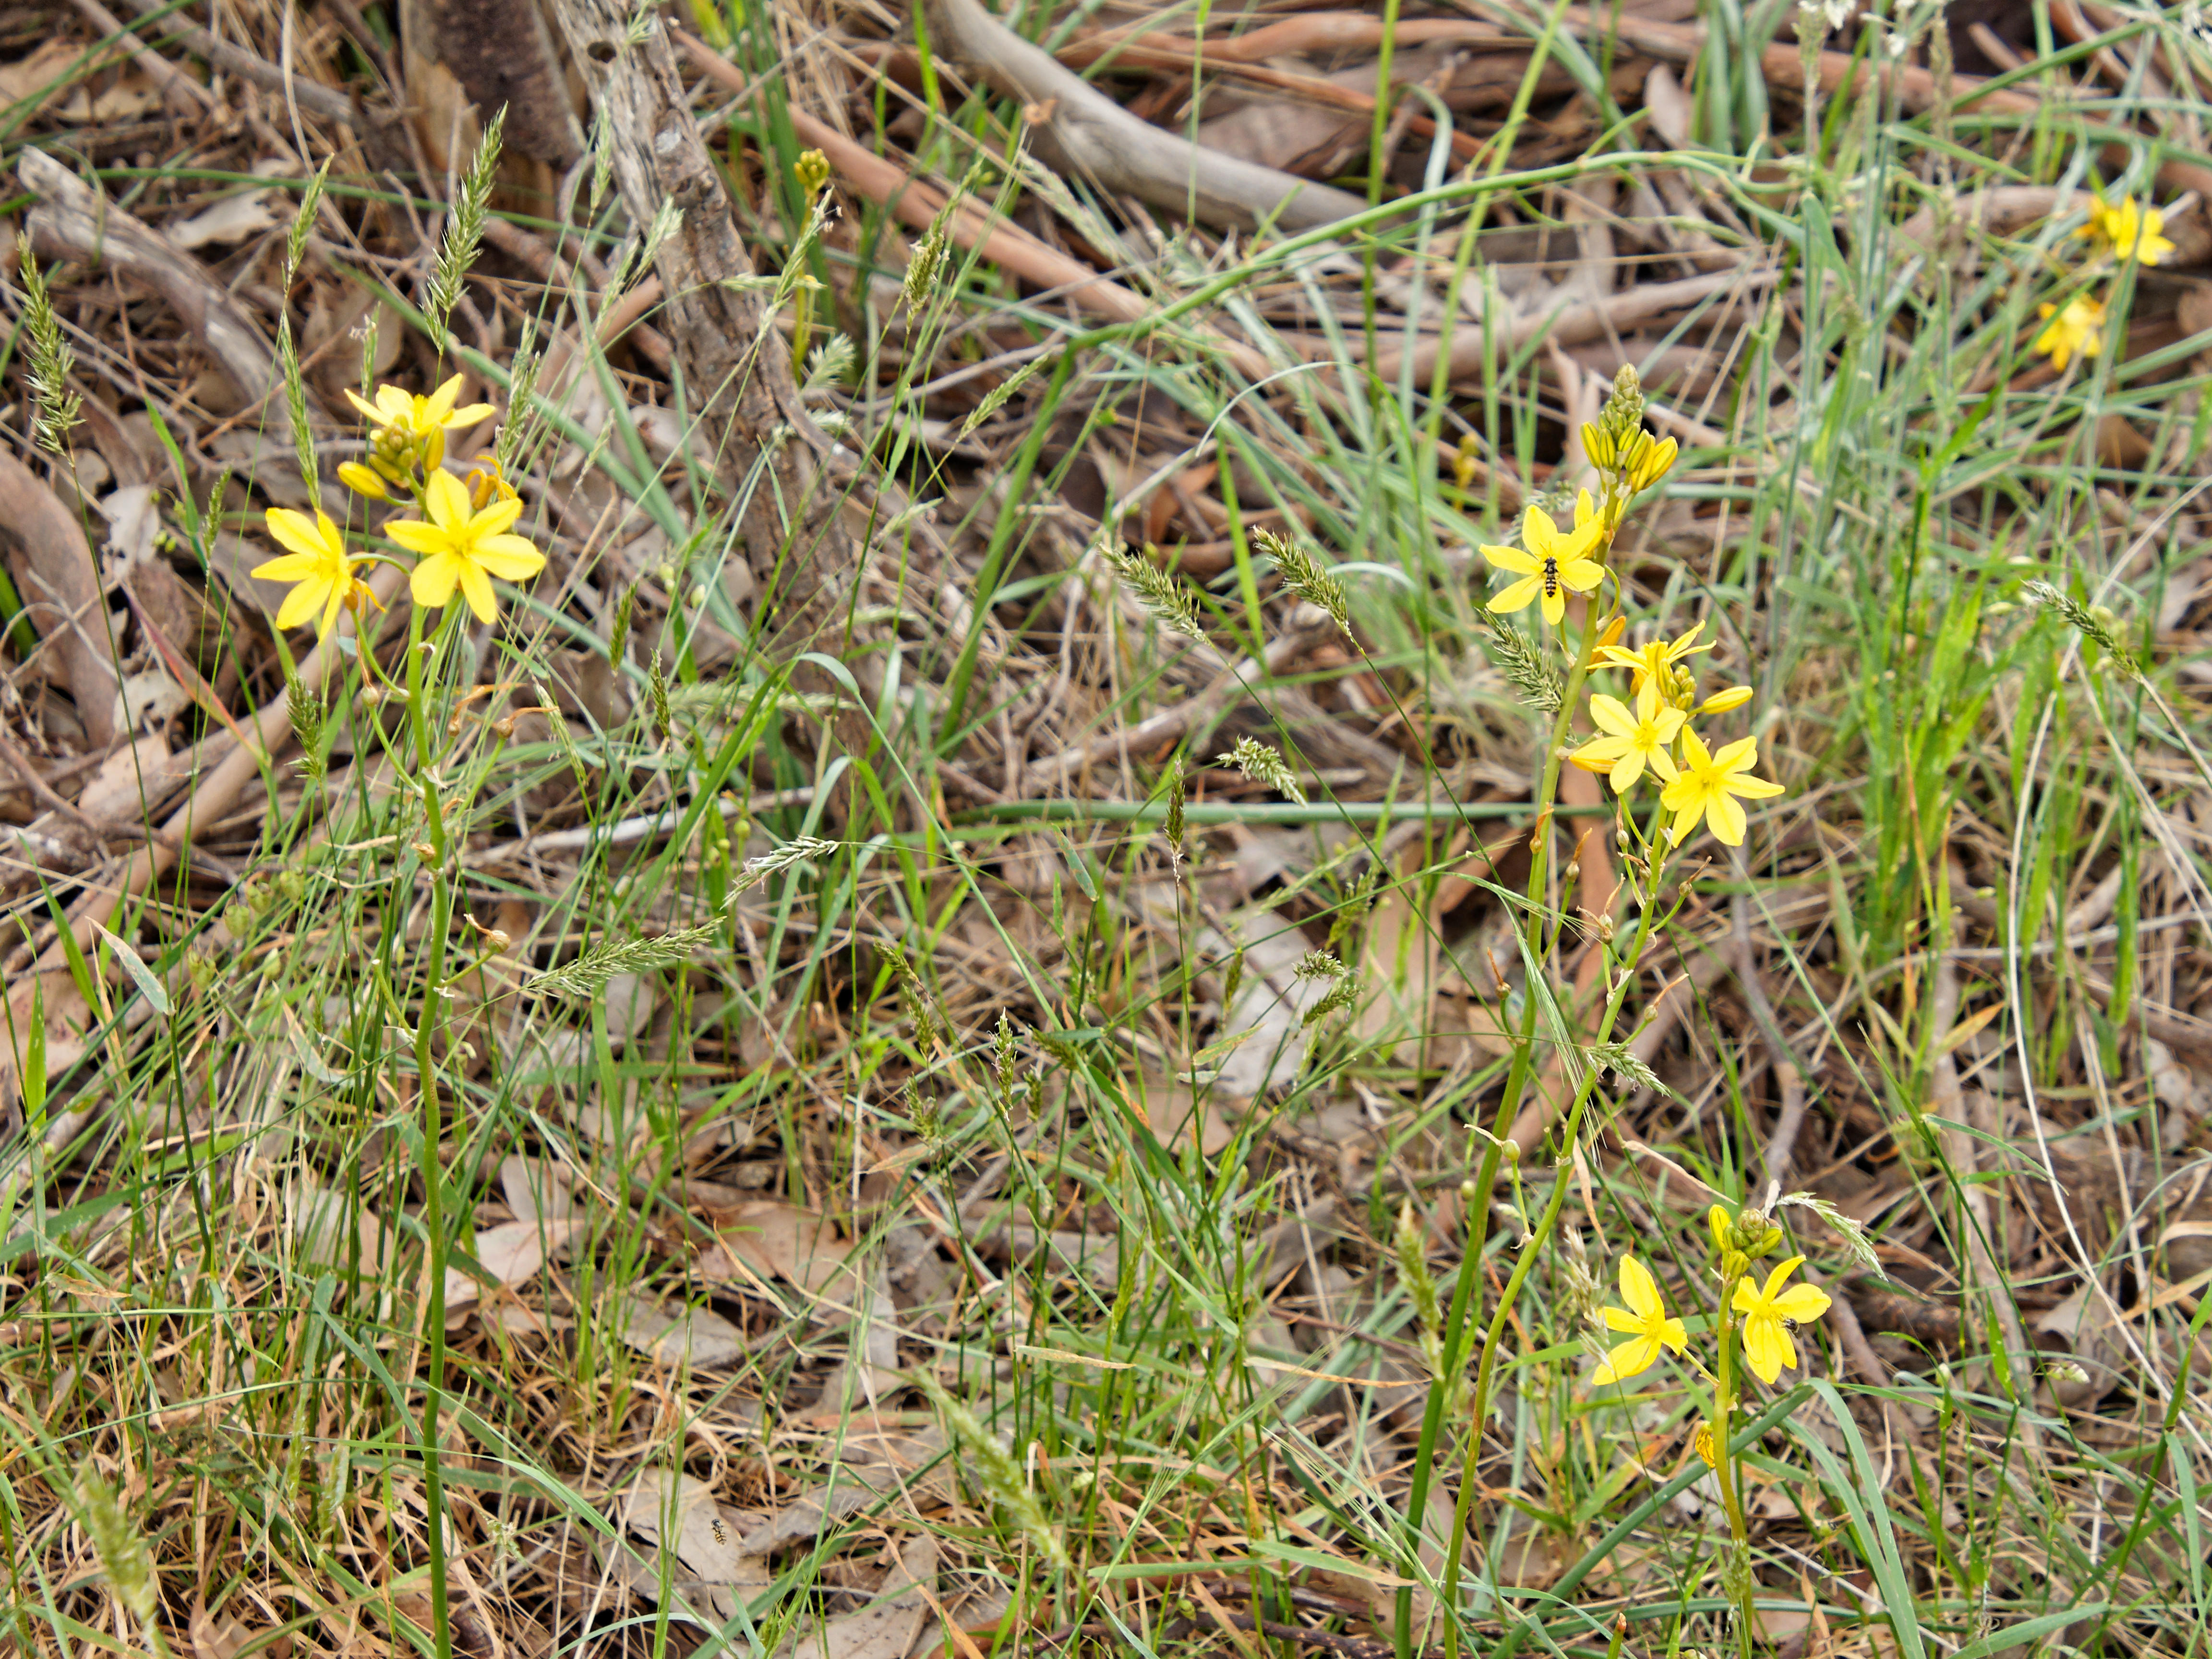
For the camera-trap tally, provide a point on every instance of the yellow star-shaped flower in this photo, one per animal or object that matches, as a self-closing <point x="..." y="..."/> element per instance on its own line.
<point x="317" y="564"/>
<point x="1632" y="741"/>
<point x="1708" y="786"/>
<point x="2078" y="330"/>
<point x="1768" y="1314"/>
<point x="1557" y="562"/>
<point x="463" y="548"/>
<point x="415" y="416"/>
<point x="1654" y="658"/>
<point x="1644" y="1321"/>
<point x="2129" y="230"/>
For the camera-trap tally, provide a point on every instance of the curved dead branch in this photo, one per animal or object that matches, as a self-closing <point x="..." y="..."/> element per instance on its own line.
<point x="1078" y="129"/>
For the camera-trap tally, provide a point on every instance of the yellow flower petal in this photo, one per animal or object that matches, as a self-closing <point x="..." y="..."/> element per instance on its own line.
<point x="476" y="587"/>
<point x="303" y="601"/>
<point x="1517" y="596"/>
<point x="432" y="582"/>
<point x="1638" y="1289"/>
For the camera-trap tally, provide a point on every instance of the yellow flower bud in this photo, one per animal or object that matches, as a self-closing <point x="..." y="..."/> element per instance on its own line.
<point x="1721" y="702"/>
<point x="1649" y="462"/>
<point x="1705" y="1447"/>
<point x="362" y="481"/>
<point x="1599" y="445"/>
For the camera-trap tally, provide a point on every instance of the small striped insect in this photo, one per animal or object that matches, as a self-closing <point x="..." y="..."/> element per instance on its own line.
<point x="721" y="1532"/>
<point x="1551" y="580"/>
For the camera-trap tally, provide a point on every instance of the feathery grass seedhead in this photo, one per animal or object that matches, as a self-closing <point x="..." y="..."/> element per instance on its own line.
<point x="656" y="690"/>
<point x="518" y="433"/>
<point x="1173" y="786"/>
<point x="1232" y="979"/>
<point x="457" y="256"/>
<point x="1582" y="1290"/>
<point x="1620" y="1060"/>
<point x="919" y="1005"/>
<point x="1341" y="994"/>
<point x="619" y="630"/>
<point x="564" y="741"/>
<point x="994" y="1467"/>
<point x="295" y="401"/>
<point x="1410" y="1246"/>
<point x="1319" y="965"/>
<point x="1303" y="574"/>
<point x="1853" y="1235"/>
<point x="1005" y="1057"/>
<point x="832" y="365"/>
<point x="57" y="407"/>
<point x="995" y="398"/>
<point x="123" y="1554"/>
<point x="1263" y="764"/>
<point x="804" y="850"/>
<point x="305" y="709"/>
<point x="1170" y="604"/>
<point x="588" y="976"/>
<point x="1523" y="663"/>
<point x="926" y="266"/>
<point x="367" y="330"/>
<point x="2094" y="623"/>
<point x="296" y="240"/>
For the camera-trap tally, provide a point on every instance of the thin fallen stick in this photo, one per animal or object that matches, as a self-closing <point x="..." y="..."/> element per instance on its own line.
<point x="313" y="96"/>
<point x="918" y="204"/>
<point x="1313" y="89"/>
<point x="1617" y="313"/>
<point x="74" y="221"/>
<point x="179" y="87"/>
<point x="1079" y="132"/>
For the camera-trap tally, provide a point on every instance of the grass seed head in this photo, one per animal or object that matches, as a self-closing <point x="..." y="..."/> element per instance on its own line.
<point x="456" y="255"/>
<point x="306" y="711"/>
<point x="58" y="407"/>
<point x="1524" y="665"/>
<point x="1170" y="604"/>
<point x="2092" y="623"/>
<point x="1302" y="572"/>
<point x="993" y="1466"/>
<point x="588" y="974"/>
<point x="1263" y="764"/>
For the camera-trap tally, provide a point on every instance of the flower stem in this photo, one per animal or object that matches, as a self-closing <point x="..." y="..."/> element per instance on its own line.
<point x="428" y="1020"/>
<point x="1486" y="1367"/>
<point x="1738" y="1576"/>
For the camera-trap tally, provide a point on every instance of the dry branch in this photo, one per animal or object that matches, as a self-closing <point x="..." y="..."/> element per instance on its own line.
<point x="1078" y="130"/>
<point x="75" y="221"/>
<point x="60" y="586"/>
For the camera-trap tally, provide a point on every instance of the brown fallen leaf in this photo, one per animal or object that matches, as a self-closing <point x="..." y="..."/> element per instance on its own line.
<point x="54" y="573"/>
<point x="889" y="1627"/>
<point x="774" y="1240"/>
<point x="696" y="1337"/>
<point x="511" y="1253"/>
<point x="676" y="1539"/>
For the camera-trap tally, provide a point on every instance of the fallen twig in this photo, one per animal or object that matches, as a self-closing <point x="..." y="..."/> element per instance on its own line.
<point x="1078" y="129"/>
